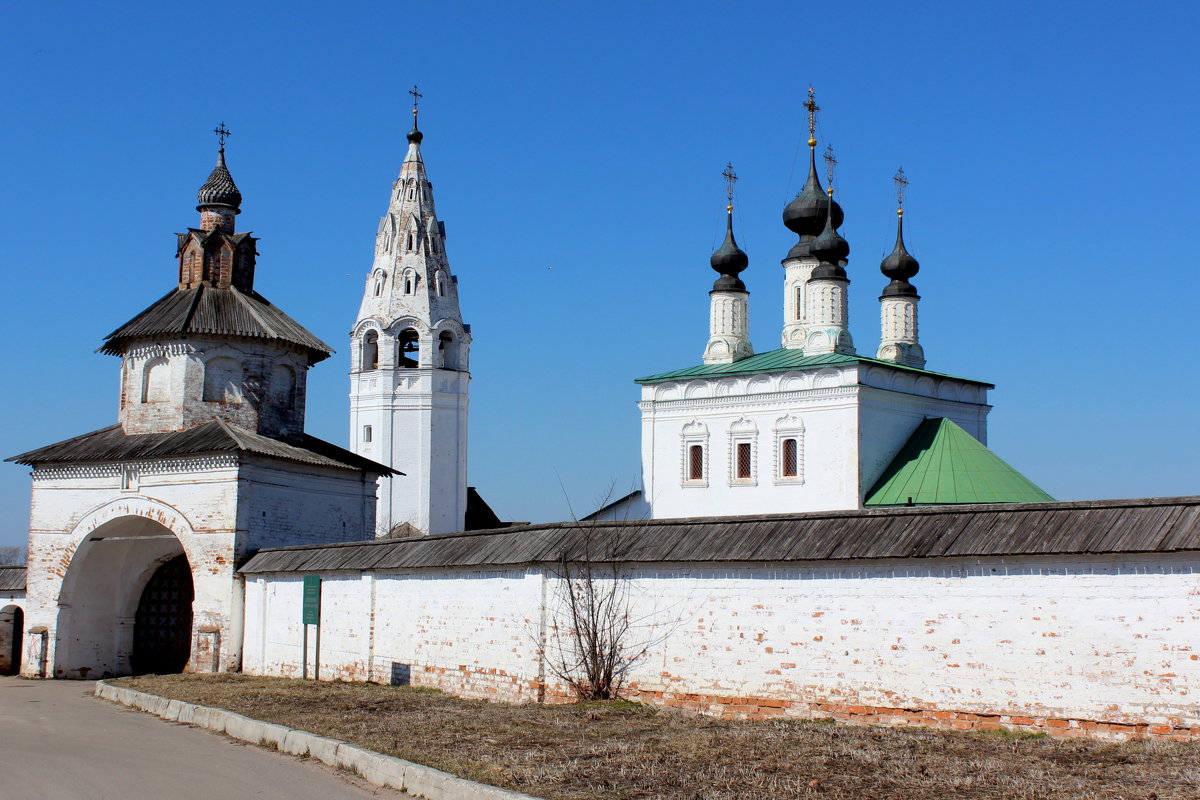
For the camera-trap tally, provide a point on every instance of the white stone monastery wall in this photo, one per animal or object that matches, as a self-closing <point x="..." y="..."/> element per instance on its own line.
<point x="1082" y="646"/>
<point x="849" y="422"/>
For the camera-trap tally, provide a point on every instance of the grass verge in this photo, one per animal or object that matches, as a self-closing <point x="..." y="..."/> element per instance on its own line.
<point x="620" y="751"/>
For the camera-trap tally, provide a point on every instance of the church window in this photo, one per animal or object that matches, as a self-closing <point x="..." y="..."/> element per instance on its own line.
<point x="789" y="459"/>
<point x="410" y="242"/>
<point x="789" y="449"/>
<point x="366" y="435"/>
<point x="222" y="380"/>
<point x="411" y="193"/>
<point x="156" y="385"/>
<point x="440" y="281"/>
<point x="696" y="462"/>
<point x="408" y="349"/>
<point x="370" y="351"/>
<point x="744" y="453"/>
<point x="694" y="469"/>
<point x="799" y="302"/>
<point x="378" y="288"/>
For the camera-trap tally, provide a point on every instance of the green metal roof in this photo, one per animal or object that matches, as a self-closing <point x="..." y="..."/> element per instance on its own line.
<point x="783" y="360"/>
<point x="943" y="464"/>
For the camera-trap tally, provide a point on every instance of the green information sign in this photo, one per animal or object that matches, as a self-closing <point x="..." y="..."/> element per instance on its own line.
<point x="312" y="599"/>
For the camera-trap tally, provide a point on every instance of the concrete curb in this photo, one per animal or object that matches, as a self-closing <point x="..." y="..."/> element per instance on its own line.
<point x="376" y="768"/>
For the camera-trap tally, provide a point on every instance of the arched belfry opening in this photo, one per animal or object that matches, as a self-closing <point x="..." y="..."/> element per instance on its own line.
<point x="126" y="603"/>
<point x="447" y="350"/>
<point x="408" y="347"/>
<point x="370" y="350"/>
<point x="12" y="629"/>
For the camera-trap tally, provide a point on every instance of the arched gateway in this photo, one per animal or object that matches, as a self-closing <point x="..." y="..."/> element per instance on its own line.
<point x="126" y="602"/>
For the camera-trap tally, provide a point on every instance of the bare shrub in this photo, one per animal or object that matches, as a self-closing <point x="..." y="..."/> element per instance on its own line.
<point x="596" y="644"/>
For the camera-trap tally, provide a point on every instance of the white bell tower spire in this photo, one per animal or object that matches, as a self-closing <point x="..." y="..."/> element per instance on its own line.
<point x="409" y="363"/>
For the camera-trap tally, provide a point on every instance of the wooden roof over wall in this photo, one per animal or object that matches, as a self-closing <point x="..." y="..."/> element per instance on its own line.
<point x="1149" y="525"/>
<point x="12" y="579"/>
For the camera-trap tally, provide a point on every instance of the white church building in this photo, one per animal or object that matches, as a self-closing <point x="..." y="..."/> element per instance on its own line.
<point x="820" y="533"/>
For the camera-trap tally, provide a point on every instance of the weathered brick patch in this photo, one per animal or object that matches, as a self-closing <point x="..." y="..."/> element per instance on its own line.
<point x="762" y="708"/>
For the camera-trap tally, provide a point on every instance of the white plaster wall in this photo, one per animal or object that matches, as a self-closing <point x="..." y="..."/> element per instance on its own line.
<point x="418" y="420"/>
<point x="282" y="506"/>
<point x="855" y="419"/>
<point x="1097" y="638"/>
<point x="218" y="508"/>
<point x="824" y="403"/>
<point x="475" y="633"/>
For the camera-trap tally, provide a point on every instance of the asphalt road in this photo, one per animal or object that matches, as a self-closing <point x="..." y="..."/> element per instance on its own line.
<point x="57" y="742"/>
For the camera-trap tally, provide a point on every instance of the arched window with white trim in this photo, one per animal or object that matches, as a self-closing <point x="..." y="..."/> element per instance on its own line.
<point x="743" y="453"/>
<point x="789" y="449"/>
<point x="694" y="467"/>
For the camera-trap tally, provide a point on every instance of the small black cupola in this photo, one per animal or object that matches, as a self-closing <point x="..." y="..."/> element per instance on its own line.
<point x="900" y="266"/>
<point x="729" y="260"/>
<point x="219" y="189"/>
<point x="415" y="136"/>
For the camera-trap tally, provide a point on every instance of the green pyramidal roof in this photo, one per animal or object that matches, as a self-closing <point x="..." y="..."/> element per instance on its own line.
<point x="941" y="464"/>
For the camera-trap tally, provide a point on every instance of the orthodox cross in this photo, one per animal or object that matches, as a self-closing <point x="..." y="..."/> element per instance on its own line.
<point x="901" y="185"/>
<point x="830" y="163"/>
<point x="222" y="134"/>
<point x="416" y="95"/>
<point x="813" y="108"/>
<point x="730" y="178"/>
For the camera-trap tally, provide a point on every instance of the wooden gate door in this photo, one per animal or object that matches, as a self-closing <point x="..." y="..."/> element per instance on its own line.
<point x="162" y="632"/>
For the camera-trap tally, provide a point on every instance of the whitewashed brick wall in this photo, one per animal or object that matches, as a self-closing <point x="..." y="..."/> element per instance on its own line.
<point x="1066" y="644"/>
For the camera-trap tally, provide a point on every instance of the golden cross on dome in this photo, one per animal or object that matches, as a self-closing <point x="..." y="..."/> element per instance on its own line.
<point x="830" y="163"/>
<point x="813" y="108"/>
<point x="222" y="134"/>
<point x="901" y="185"/>
<point x="730" y="178"/>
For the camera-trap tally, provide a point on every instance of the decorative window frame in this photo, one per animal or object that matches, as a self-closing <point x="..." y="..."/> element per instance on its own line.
<point x="789" y="426"/>
<point x="743" y="431"/>
<point x="694" y="433"/>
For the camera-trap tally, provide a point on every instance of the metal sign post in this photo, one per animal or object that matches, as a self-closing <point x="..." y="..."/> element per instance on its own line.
<point x="312" y="616"/>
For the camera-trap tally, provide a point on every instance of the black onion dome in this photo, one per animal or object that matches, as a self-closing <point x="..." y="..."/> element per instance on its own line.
<point x="729" y="260"/>
<point x="806" y="214"/>
<point x="829" y="248"/>
<point x="219" y="189"/>
<point x="415" y="136"/>
<point x="899" y="265"/>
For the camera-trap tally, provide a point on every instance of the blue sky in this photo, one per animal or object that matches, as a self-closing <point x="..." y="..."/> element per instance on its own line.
<point x="1051" y="151"/>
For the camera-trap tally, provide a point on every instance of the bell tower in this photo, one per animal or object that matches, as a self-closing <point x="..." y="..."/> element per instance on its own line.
<point x="409" y="362"/>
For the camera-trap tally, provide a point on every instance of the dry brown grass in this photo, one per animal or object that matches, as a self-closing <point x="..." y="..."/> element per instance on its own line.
<point x="620" y="750"/>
